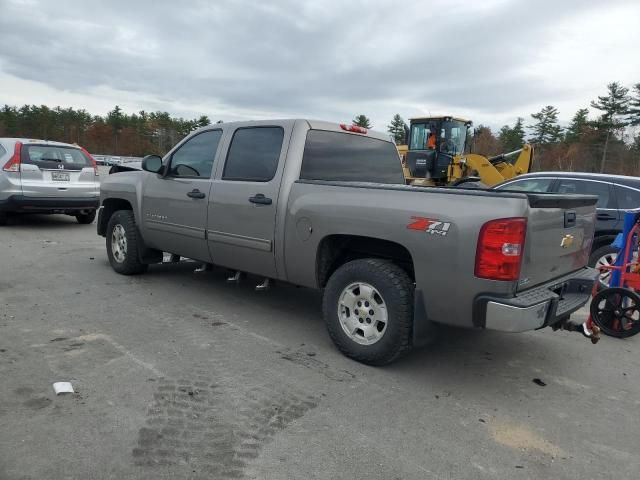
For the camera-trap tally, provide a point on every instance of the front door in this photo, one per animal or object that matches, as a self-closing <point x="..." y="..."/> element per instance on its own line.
<point x="244" y="198"/>
<point x="174" y="207"/>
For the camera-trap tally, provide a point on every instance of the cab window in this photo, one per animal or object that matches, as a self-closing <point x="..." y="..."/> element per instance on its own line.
<point x="254" y="153"/>
<point x="194" y="158"/>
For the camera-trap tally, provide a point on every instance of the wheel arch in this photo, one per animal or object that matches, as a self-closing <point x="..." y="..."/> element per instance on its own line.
<point x="338" y="249"/>
<point x="109" y="207"/>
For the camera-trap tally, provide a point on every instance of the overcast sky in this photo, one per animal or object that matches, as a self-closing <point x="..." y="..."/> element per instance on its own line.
<point x="489" y="60"/>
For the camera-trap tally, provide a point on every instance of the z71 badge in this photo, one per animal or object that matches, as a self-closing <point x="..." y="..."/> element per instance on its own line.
<point x="432" y="226"/>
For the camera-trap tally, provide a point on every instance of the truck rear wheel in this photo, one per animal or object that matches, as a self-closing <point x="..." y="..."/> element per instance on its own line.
<point x="123" y="244"/>
<point x="368" y="310"/>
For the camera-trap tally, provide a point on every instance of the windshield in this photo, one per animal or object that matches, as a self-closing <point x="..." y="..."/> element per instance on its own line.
<point x="453" y="137"/>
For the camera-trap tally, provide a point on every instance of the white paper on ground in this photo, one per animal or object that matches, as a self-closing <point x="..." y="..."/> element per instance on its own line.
<point x="62" y="387"/>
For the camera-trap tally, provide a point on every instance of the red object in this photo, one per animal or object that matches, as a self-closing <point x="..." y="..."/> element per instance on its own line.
<point x="421" y="223"/>
<point x="93" y="160"/>
<point x="13" y="165"/>
<point x="353" y="128"/>
<point x="500" y="249"/>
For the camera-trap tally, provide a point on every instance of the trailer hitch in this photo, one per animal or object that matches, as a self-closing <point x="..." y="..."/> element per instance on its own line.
<point x="588" y="329"/>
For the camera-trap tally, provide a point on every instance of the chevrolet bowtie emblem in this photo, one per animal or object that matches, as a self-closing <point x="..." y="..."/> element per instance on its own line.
<point x="567" y="241"/>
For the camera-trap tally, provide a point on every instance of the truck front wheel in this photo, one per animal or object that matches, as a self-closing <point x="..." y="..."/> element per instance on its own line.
<point x="122" y="244"/>
<point x="368" y="309"/>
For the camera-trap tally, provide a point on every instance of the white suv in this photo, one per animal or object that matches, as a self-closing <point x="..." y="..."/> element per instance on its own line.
<point x="47" y="177"/>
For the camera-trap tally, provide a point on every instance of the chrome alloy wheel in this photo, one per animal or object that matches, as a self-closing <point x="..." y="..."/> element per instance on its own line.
<point x="362" y="313"/>
<point x="119" y="243"/>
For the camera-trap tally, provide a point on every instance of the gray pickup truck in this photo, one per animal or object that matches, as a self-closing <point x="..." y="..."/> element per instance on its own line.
<point x="324" y="206"/>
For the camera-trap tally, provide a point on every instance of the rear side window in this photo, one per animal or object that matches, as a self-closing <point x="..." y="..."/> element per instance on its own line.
<point x="588" y="187"/>
<point x="254" y="153"/>
<point x="342" y="157"/>
<point x="628" y="198"/>
<point x="195" y="157"/>
<point x="55" y="157"/>
<point x="537" y="185"/>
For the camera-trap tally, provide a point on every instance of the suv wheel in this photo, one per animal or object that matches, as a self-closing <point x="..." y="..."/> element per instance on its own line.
<point x="368" y="310"/>
<point x="86" y="218"/>
<point x="3" y="218"/>
<point x="123" y="244"/>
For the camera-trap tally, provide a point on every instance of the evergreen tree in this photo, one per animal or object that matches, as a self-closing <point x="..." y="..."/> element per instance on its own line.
<point x="397" y="129"/>
<point x="577" y="127"/>
<point x="362" y="121"/>
<point x="546" y="129"/>
<point x="512" y="138"/>
<point x="614" y="106"/>
<point x="634" y="107"/>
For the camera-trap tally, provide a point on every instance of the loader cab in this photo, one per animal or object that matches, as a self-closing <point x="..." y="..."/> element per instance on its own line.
<point x="433" y="143"/>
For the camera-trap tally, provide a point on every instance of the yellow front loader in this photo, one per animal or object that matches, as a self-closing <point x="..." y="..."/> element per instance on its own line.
<point x="436" y="155"/>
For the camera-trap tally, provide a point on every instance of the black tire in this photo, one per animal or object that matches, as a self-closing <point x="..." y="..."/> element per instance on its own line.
<point x="606" y="317"/>
<point x="130" y="264"/>
<point x="598" y="253"/>
<point x="396" y="289"/>
<point x="3" y="218"/>
<point x="86" y="218"/>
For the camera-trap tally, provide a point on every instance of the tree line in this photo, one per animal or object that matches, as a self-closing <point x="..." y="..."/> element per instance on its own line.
<point x="609" y="143"/>
<point x="117" y="133"/>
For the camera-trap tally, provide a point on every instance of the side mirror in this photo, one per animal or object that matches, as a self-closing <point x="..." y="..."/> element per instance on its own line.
<point x="152" y="163"/>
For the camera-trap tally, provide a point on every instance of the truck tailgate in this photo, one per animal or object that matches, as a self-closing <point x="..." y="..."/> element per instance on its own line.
<point x="559" y="236"/>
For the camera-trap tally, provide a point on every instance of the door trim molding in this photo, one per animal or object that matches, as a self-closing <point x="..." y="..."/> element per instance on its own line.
<point x="176" y="228"/>
<point x="240" y="240"/>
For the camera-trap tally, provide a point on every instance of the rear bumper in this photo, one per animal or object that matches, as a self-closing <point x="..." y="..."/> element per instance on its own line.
<point x="538" y="307"/>
<point x="21" y="203"/>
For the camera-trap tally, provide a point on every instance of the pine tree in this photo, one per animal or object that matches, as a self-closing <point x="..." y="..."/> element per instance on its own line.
<point x="397" y="129"/>
<point x="362" y="121"/>
<point x="614" y="106"/>
<point x="634" y="107"/>
<point x="546" y="129"/>
<point x="512" y="138"/>
<point x="577" y="127"/>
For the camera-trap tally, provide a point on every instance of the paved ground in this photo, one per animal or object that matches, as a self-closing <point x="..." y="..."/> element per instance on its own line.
<point x="180" y="375"/>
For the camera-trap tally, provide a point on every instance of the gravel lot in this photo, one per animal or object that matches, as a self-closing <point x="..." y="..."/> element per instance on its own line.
<point x="181" y="375"/>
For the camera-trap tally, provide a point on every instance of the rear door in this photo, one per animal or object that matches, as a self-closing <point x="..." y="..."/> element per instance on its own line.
<point x="607" y="216"/>
<point x="174" y="205"/>
<point x="244" y="197"/>
<point x="57" y="171"/>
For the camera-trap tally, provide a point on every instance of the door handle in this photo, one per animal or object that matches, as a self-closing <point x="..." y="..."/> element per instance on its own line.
<point x="259" y="198"/>
<point x="605" y="216"/>
<point x="195" y="193"/>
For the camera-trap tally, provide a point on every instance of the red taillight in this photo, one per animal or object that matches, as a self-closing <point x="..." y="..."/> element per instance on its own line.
<point x="93" y="160"/>
<point x="500" y="249"/>
<point x="13" y="165"/>
<point x="353" y="128"/>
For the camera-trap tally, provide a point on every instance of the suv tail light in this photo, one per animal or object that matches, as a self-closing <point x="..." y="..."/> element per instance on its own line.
<point x="353" y="128"/>
<point x="13" y="165"/>
<point x="500" y="249"/>
<point x="93" y="160"/>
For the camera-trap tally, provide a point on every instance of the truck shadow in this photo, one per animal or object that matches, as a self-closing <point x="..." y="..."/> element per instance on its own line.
<point x="456" y="357"/>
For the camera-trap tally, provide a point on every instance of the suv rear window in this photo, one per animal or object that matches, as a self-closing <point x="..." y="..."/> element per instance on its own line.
<point x="343" y="157"/>
<point x="52" y="156"/>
